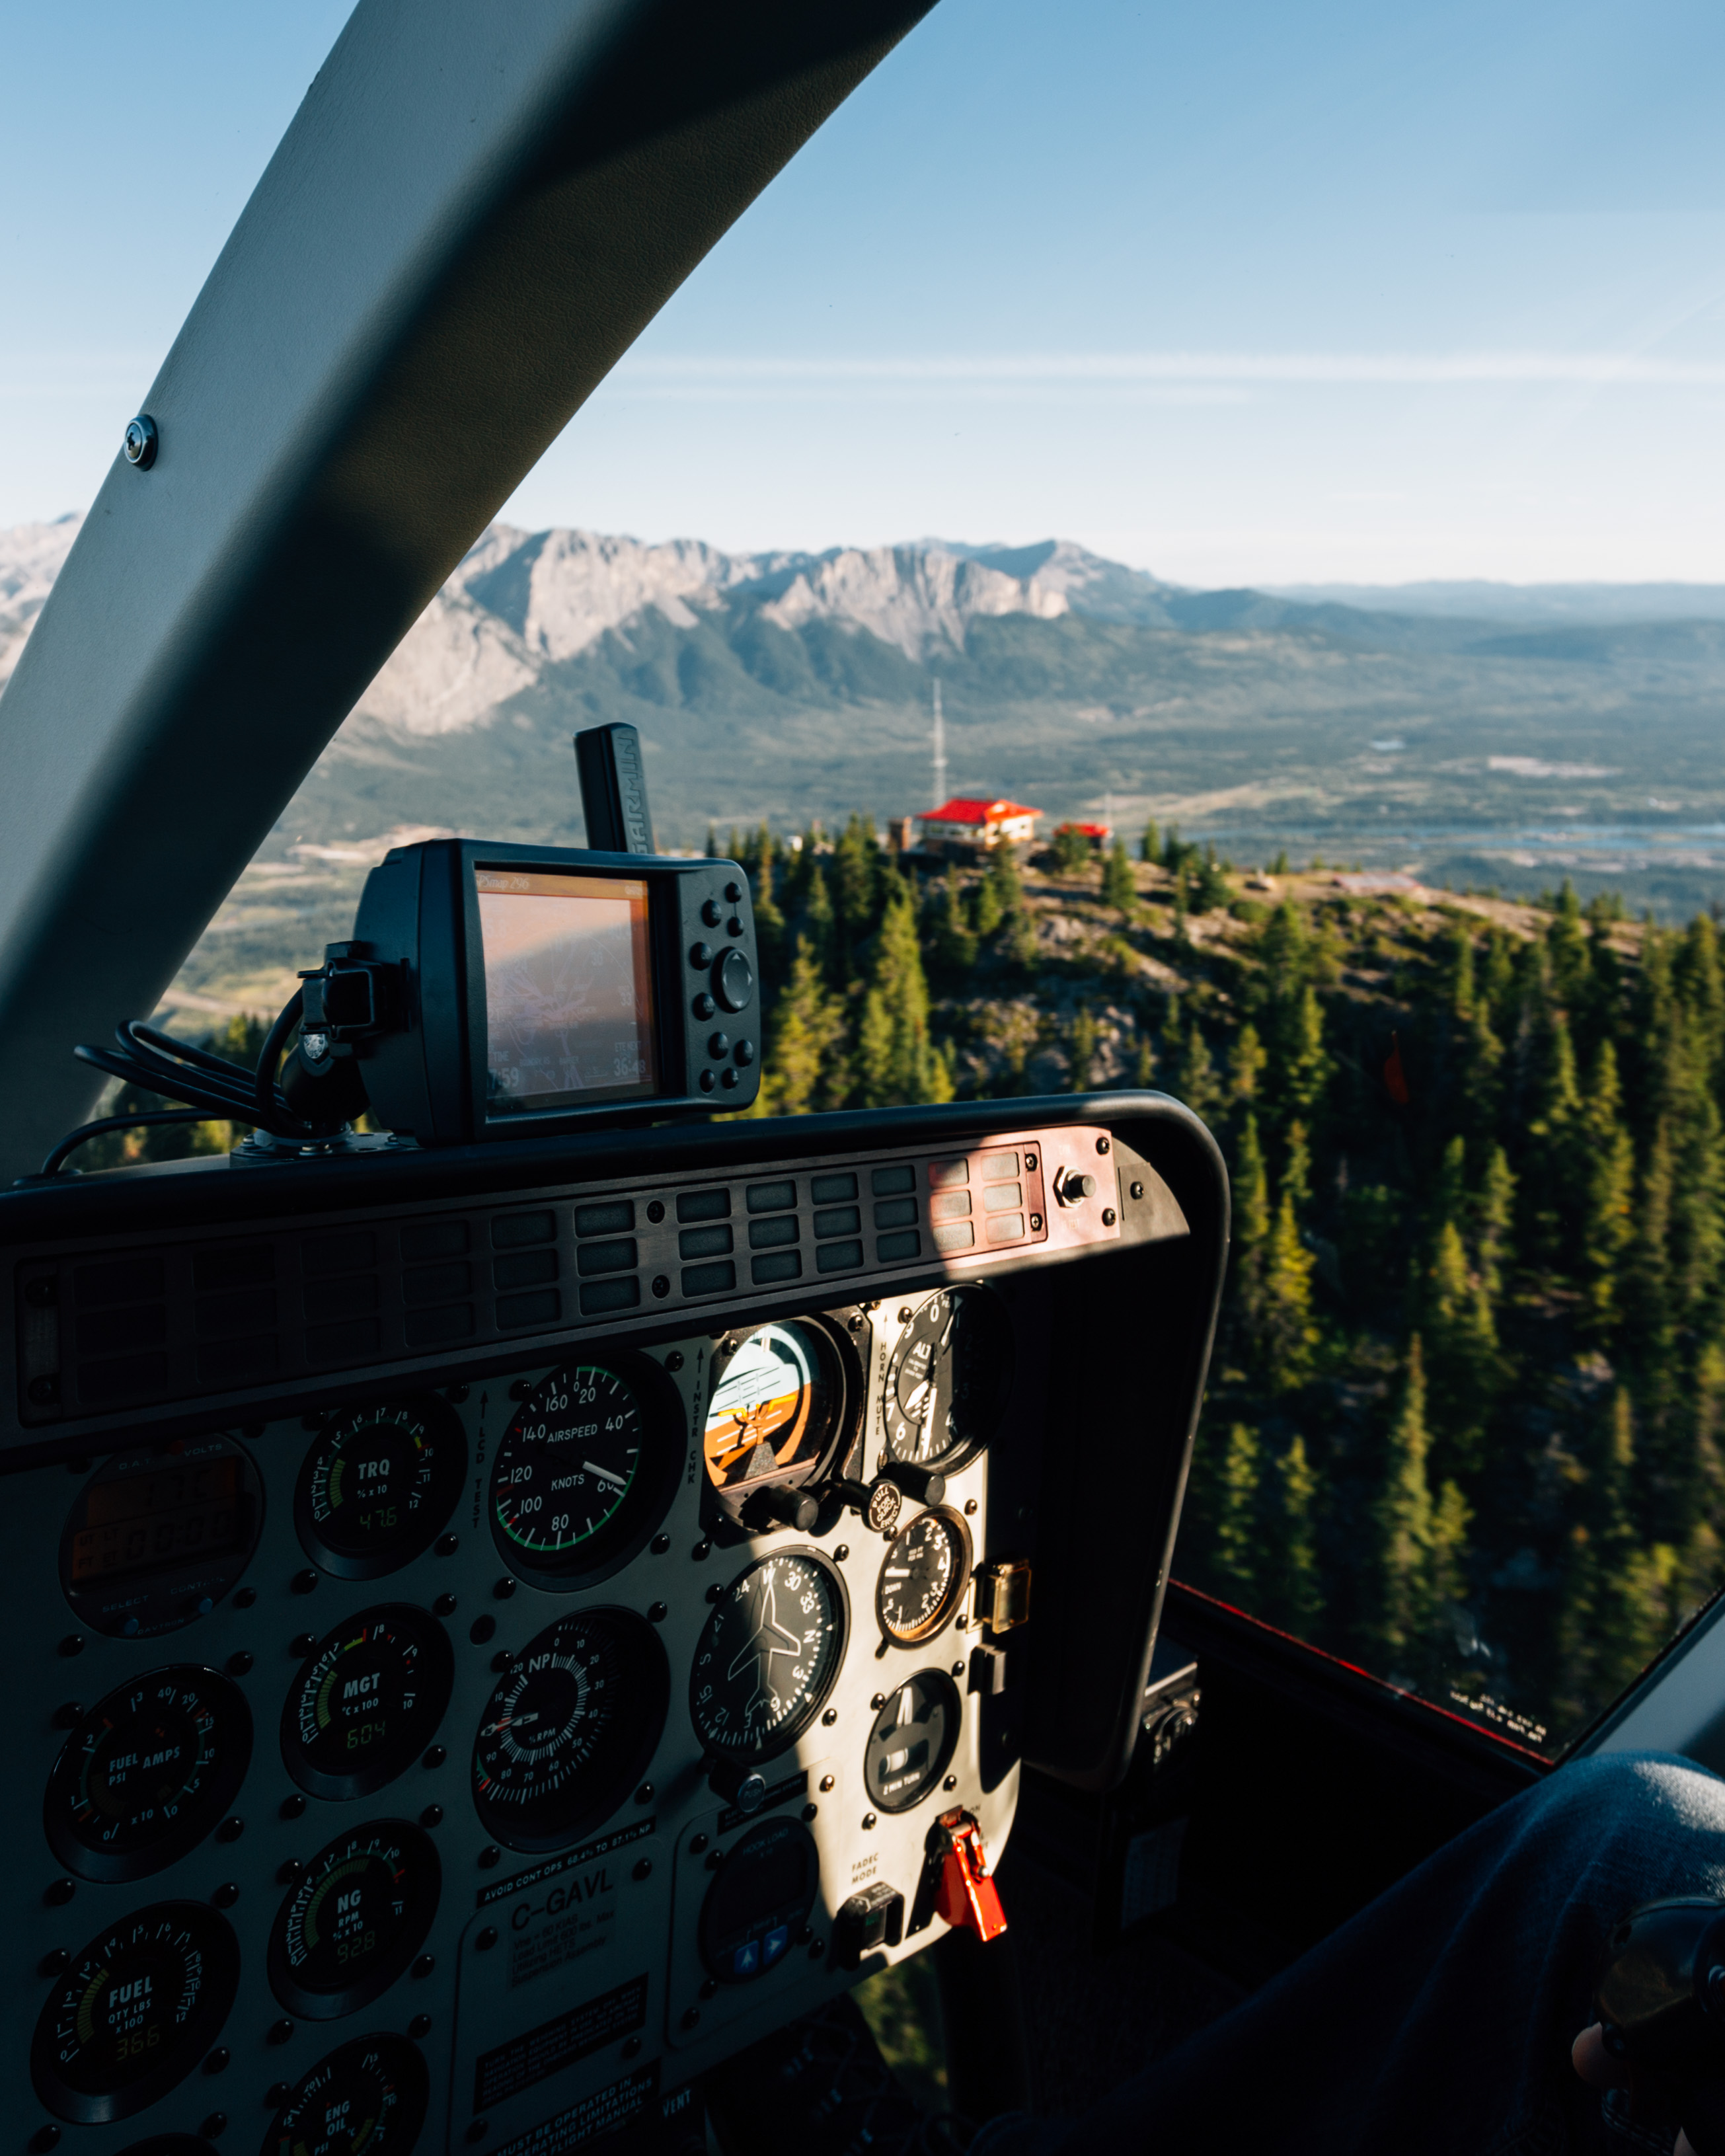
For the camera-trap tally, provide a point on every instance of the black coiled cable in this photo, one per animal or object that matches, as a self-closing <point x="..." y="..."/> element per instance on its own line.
<point x="215" y="1089"/>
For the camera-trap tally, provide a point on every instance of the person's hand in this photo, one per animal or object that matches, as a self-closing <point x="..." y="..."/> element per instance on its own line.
<point x="1599" y="2070"/>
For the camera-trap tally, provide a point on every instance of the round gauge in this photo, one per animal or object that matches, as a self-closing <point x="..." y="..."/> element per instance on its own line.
<point x="947" y="1381"/>
<point x="778" y="1403"/>
<point x="158" y="1536"/>
<point x="768" y="1655"/>
<point x="369" y="2095"/>
<point x="759" y="1902"/>
<point x="569" y="1727"/>
<point x="585" y="1470"/>
<point x="911" y="1743"/>
<point x="134" y="2013"/>
<point x="357" y="1914"/>
<point x="368" y="1697"/>
<point x="376" y="1487"/>
<point x="147" y="1773"/>
<point x="923" y="1575"/>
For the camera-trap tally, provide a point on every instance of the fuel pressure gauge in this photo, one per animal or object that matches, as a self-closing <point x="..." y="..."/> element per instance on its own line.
<point x="948" y="1382"/>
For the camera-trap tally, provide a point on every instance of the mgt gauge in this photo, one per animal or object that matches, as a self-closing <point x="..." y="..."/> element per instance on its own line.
<point x="367" y="1698"/>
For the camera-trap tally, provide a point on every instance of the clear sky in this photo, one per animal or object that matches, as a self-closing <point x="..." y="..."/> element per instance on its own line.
<point x="1242" y="293"/>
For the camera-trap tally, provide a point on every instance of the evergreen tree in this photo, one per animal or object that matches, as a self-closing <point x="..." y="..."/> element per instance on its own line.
<point x="803" y="1069"/>
<point x="1144" y="1064"/>
<point x="1210" y="887"/>
<point x="1607" y="1164"/>
<point x="1295" y="1600"/>
<point x="1461" y="989"/>
<point x="1250" y="1236"/>
<point x="895" y="1062"/>
<point x="854" y="874"/>
<point x="1234" y="1561"/>
<point x="1147" y="844"/>
<point x="1119" y="889"/>
<point x="1288" y="1335"/>
<point x="819" y="925"/>
<point x="1496" y="1214"/>
<point x="1072" y="851"/>
<point x="1465" y="1369"/>
<point x="1246" y="1066"/>
<point x="770" y="932"/>
<point x="712" y="843"/>
<point x="1083" y="1046"/>
<point x="1404" y="1522"/>
<point x="1180" y="906"/>
<point x="1198" y="1086"/>
<point x="952" y="940"/>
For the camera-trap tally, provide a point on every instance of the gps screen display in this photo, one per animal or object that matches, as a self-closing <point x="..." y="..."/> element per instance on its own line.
<point x="568" y="989"/>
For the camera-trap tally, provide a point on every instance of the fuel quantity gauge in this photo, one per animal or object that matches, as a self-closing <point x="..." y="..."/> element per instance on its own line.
<point x="377" y="1485"/>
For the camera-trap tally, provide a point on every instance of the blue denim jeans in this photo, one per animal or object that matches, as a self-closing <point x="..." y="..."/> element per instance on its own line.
<point x="1438" y="2022"/>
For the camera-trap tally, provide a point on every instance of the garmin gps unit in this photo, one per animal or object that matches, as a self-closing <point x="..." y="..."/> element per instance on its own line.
<point x="498" y="992"/>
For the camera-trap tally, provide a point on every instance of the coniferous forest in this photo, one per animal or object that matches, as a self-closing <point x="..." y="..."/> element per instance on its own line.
<point x="1464" y="1418"/>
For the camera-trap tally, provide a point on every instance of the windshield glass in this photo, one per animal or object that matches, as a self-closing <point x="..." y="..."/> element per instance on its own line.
<point x="1312" y="709"/>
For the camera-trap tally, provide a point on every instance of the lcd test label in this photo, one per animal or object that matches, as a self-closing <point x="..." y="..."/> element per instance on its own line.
<point x="569" y="993"/>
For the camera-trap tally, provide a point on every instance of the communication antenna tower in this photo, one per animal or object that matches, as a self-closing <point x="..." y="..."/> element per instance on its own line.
<point x="940" y="751"/>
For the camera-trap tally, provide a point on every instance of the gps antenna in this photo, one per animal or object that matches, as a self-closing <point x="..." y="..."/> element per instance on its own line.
<point x="613" y="790"/>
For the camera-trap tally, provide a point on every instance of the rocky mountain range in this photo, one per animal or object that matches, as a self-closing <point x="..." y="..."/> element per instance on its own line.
<point x="1481" y="733"/>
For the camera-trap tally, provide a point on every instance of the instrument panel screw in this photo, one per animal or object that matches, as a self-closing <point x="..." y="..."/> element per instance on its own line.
<point x="841" y="1553"/>
<point x="245" y="1597"/>
<point x="455" y="1395"/>
<point x="240" y="1665"/>
<point x="1138" y="1190"/>
<point x="870" y="1821"/>
<point x="218" y="2061"/>
<point x="829" y="1717"/>
<point x="970" y="1507"/>
<point x="68" y="1715"/>
<point x="950" y="1782"/>
<point x="826" y="1785"/>
<point x="714" y="1593"/>
<point x="661" y="1285"/>
<point x="957" y="1669"/>
<point x="44" y="2138"/>
<point x="697" y="1842"/>
<point x="1107" y="1216"/>
<point x="276" y="2095"/>
<point x="644" y="1795"/>
<point x="878" y="1702"/>
<point x="433" y="1815"/>
<point x="810" y="1813"/>
<point x="503" y="1590"/>
<point x="500" y="1660"/>
<point x="434" y="1756"/>
<point x="1035" y="1223"/>
<point x="55" y="1962"/>
<point x="301" y="1645"/>
<point x="289" y="1871"/>
<point x="644" y="1867"/>
<point x="419" y="2028"/>
<point x="1030" y="1163"/>
<point x="292" y="1808"/>
<point x="659" y="1545"/>
<point x="481" y="1629"/>
<point x="303" y="1583"/>
<point x="59" y="1892"/>
<point x="521" y="1389"/>
<point x="856" y="1324"/>
<point x="904" y="1315"/>
<point x="73" y="1644"/>
<point x="447" y="1545"/>
<point x="657" y="1612"/>
<point x="479" y="2129"/>
<point x="214" y="2126"/>
<point x="489" y="1858"/>
<point x="817" y="1947"/>
<point x="709" y="1987"/>
<point x="279" y="2032"/>
<point x="674" y="1361"/>
<point x="227" y="1894"/>
<point x="632" y="2047"/>
<point x="424" y="1965"/>
<point x="445" y="1606"/>
<point x="655" y="1211"/>
<point x="702" y="1552"/>
<point x="486" y="1940"/>
<point x="691" y="2017"/>
<point x="142" y="440"/>
<point x="1101" y="1145"/>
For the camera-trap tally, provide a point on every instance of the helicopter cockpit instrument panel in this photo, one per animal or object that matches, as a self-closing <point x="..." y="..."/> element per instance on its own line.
<point x="494" y="1630"/>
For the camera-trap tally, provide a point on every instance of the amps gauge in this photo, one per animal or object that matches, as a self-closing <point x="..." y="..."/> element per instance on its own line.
<point x="357" y="1914"/>
<point x="371" y="2096"/>
<point x="923" y="1577"/>
<point x="768" y="1655"/>
<point x="134" y="2013"/>
<point x="948" y="1382"/>
<point x="147" y="1773"/>
<point x="912" y="1741"/>
<point x="156" y="1537"/>
<point x="377" y="1485"/>
<point x="586" y="1469"/>
<point x="367" y="1698"/>
<point x="780" y="1407"/>
<point x="757" y="1906"/>
<point x="572" y="1722"/>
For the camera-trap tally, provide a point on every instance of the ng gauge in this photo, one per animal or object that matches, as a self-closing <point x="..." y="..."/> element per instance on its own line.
<point x="355" y="1918"/>
<point x="571" y="1724"/>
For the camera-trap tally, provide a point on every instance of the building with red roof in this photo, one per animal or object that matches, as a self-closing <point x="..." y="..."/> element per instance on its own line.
<point x="968" y="823"/>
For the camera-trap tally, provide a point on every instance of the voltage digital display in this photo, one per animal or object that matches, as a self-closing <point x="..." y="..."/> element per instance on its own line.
<point x="162" y="1517"/>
